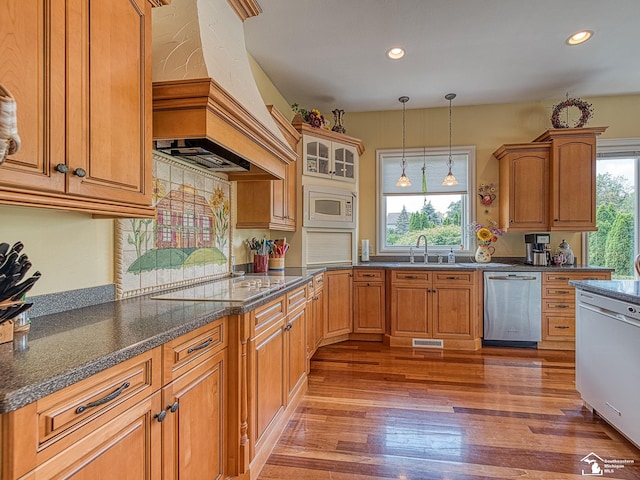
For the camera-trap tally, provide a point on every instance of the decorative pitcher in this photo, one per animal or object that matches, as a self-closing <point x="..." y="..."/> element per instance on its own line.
<point x="483" y="253"/>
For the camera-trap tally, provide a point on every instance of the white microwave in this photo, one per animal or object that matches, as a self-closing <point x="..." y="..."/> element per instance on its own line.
<point x="329" y="207"/>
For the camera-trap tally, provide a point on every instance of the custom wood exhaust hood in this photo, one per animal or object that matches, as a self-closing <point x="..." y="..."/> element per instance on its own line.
<point x="206" y="103"/>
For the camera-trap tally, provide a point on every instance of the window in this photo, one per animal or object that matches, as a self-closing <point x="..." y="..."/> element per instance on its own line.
<point x="615" y="244"/>
<point x="426" y="207"/>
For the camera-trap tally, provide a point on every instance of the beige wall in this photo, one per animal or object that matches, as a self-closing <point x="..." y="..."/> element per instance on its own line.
<point x="72" y="250"/>
<point x="485" y="126"/>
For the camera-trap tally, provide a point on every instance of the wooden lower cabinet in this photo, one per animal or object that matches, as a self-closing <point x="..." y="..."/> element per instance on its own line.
<point x="369" y="301"/>
<point x="339" y="310"/>
<point x="193" y="431"/>
<point x="277" y="371"/>
<point x="159" y="415"/>
<point x="559" y="308"/>
<point x="434" y="304"/>
<point x="128" y="447"/>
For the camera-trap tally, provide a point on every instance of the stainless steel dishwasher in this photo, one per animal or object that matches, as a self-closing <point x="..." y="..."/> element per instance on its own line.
<point x="512" y="308"/>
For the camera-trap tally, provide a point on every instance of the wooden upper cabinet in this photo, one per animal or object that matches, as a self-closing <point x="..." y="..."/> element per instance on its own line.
<point x="524" y="185"/>
<point x="80" y="72"/>
<point x="573" y="180"/>
<point x="271" y="204"/>
<point x="550" y="183"/>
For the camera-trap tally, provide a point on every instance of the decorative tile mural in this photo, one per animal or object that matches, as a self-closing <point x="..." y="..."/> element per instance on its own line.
<point x="189" y="241"/>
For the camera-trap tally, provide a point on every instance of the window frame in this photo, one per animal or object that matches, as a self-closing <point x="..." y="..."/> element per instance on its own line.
<point x="621" y="147"/>
<point x="469" y="215"/>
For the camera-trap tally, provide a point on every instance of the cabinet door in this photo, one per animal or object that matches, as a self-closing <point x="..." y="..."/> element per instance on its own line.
<point x="573" y="178"/>
<point x="32" y="68"/>
<point x="410" y="311"/>
<point x="128" y="447"/>
<point x="267" y="380"/>
<point x="316" y="157"/>
<point x="109" y="99"/>
<point x="453" y="311"/>
<point x="368" y="307"/>
<point x="296" y="351"/>
<point x="193" y="430"/>
<point x="528" y="193"/>
<point x="283" y="201"/>
<point x="344" y="162"/>
<point x="338" y="319"/>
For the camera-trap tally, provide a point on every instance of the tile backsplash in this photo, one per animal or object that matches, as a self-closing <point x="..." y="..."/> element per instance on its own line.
<point x="188" y="241"/>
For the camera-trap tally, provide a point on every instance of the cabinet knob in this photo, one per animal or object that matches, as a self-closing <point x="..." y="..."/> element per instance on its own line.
<point x="62" y="168"/>
<point x="288" y="327"/>
<point x="80" y="172"/>
<point x="160" y="416"/>
<point x="173" y="407"/>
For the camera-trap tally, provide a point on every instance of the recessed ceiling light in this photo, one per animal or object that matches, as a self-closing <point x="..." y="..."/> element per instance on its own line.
<point x="579" y="37"/>
<point x="395" y="53"/>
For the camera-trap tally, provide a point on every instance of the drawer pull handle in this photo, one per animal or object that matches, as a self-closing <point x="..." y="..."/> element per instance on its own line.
<point x="562" y="306"/>
<point x="173" y="407"/>
<point x="563" y="278"/>
<point x="452" y="278"/>
<point x="160" y="416"/>
<point x="560" y="292"/>
<point x="103" y="400"/>
<point x="368" y="275"/>
<point x="410" y="276"/>
<point x="561" y="327"/>
<point x="201" y="346"/>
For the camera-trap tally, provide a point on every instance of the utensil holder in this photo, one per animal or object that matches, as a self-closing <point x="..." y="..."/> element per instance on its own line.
<point x="260" y="263"/>
<point x="276" y="262"/>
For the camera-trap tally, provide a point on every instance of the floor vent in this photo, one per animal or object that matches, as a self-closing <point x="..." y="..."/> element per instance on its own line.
<point x="423" y="343"/>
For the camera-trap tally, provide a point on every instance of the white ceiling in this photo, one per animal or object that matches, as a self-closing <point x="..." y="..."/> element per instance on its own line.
<point x="330" y="54"/>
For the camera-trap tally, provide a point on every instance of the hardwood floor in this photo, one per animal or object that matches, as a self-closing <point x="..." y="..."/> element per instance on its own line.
<point x="375" y="412"/>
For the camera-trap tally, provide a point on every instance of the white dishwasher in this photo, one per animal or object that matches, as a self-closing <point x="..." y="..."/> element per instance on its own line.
<point x="607" y="359"/>
<point x="512" y="308"/>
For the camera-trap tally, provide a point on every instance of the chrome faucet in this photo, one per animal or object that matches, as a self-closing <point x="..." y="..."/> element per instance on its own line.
<point x="426" y="247"/>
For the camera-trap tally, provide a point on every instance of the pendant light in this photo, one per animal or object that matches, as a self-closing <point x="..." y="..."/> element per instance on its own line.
<point x="403" y="181"/>
<point x="449" y="180"/>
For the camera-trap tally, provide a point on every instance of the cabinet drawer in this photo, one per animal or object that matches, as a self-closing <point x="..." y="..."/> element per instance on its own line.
<point x="296" y="299"/>
<point x="73" y="408"/>
<point x="268" y="314"/>
<point x="559" y="326"/>
<point x="560" y="305"/>
<point x="458" y="278"/>
<point x="366" y="275"/>
<point x="558" y="291"/>
<point x="191" y="349"/>
<point x="414" y="277"/>
<point x="564" y="277"/>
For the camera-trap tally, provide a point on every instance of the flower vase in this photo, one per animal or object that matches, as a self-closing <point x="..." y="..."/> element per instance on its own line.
<point x="483" y="253"/>
<point x="337" y="121"/>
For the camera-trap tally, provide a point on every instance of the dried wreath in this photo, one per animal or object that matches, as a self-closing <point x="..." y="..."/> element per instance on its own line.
<point x="585" y="108"/>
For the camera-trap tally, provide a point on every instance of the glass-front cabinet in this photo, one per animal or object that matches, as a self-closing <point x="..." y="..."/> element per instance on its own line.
<point x="329" y="154"/>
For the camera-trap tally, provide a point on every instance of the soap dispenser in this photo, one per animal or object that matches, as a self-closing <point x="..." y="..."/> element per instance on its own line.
<point x="451" y="258"/>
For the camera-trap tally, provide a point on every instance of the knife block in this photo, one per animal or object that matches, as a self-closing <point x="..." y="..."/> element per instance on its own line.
<point x="6" y="331"/>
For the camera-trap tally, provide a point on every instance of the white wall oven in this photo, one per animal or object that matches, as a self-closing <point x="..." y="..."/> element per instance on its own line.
<point x="326" y="207"/>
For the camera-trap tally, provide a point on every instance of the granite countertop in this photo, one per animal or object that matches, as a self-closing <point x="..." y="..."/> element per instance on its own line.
<point x="624" y="290"/>
<point x="64" y="348"/>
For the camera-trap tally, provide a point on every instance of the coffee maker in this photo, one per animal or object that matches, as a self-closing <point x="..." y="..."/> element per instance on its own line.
<point x="536" y="243"/>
